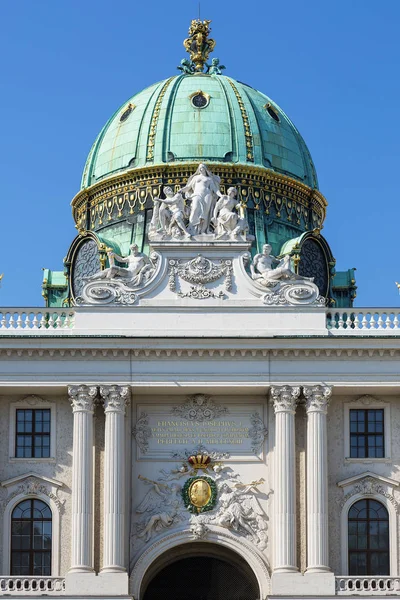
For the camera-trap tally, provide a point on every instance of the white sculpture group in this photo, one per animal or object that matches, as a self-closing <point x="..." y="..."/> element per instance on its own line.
<point x="208" y="212"/>
<point x="237" y="507"/>
<point x="199" y="213"/>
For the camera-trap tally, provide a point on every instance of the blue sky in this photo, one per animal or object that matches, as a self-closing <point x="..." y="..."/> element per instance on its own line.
<point x="333" y="66"/>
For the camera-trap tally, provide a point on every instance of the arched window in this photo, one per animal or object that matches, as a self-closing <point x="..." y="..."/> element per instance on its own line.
<point x="31" y="538"/>
<point x="368" y="538"/>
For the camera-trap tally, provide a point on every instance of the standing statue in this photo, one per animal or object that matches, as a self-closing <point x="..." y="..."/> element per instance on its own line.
<point x="168" y="215"/>
<point x="163" y="502"/>
<point x="263" y="271"/>
<point x="202" y="189"/>
<point x="226" y="221"/>
<point x="139" y="267"/>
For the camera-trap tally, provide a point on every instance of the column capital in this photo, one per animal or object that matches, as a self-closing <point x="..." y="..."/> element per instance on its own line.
<point x="82" y="397"/>
<point x="115" y="397"/>
<point x="317" y="397"/>
<point x="284" y="398"/>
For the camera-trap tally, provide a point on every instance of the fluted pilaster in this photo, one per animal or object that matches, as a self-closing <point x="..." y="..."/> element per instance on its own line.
<point x="317" y="401"/>
<point x="82" y="399"/>
<point x="116" y="399"/>
<point x="284" y="400"/>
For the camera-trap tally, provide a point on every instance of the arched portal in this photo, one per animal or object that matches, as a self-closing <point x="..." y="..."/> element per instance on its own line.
<point x="200" y="571"/>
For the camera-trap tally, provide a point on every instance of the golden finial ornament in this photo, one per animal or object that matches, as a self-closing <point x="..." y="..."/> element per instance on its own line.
<point x="198" y="44"/>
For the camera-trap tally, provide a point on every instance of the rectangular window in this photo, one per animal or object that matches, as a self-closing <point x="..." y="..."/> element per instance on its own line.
<point x="367" y="433"/>
<point x="32" y="434"/>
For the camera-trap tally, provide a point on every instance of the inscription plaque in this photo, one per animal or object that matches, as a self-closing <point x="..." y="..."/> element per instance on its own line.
<point x="239" y="431"/>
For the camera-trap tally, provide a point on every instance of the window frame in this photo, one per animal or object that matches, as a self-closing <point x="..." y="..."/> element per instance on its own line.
<point x="368" y="551"/>
<point x="55" y="542"/>
<point x="32" y="550"/>
<point x="393" y="536"/>
<point x="368" y="403"/>
<point x="32" y="403"/>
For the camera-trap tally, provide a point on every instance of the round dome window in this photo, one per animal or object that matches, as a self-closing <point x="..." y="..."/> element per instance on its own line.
<point x="126" y="113"/>
<point x="272" y="112"/>
<point x="199" y="99"/>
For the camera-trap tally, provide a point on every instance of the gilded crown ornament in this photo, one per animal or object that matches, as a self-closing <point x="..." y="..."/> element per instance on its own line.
<point x="198" y="44"/>
<point x="199" y="461"/>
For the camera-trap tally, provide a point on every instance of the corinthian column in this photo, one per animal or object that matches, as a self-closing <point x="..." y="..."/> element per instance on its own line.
<point x="115" y="400"/>
<point x="317" y="400"/>
<point x="284" y="400"/>
<point x="82" y="398"/>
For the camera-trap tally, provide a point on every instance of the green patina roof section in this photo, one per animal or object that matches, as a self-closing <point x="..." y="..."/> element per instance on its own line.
<point x="165" y="121"/>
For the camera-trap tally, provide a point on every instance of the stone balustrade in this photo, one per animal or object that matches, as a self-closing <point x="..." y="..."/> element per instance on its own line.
<point x="62" y="321"/>
<point x="26" y="586"/>
<point x="371" y="586"/>
<point x="364" y="321"/>
<point x="36" y="320"/>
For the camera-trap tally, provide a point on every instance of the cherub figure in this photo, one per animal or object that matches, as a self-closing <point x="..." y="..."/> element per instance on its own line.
<point x="163" y="501"/>
<point x="186" y="66"/>
<point x="215" y="68"/>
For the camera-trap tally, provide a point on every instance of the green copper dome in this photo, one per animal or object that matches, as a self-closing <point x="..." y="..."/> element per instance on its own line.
<point x="195" y="118"/>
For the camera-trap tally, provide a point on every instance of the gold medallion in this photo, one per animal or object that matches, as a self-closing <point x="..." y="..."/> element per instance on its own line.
<point x="200" y="493"/>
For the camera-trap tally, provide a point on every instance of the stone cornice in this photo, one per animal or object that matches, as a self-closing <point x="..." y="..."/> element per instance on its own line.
<point x="199" y="353"/>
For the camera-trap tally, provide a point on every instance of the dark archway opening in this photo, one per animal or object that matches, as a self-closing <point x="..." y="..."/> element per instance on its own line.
<point x="201" y="572"/>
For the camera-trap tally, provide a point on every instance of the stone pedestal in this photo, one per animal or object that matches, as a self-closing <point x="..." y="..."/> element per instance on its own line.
<point x="284" y="400"/>
<point x="317" y="400"/>
<point x="82" y="398"/>
<point x="115" y="400"/>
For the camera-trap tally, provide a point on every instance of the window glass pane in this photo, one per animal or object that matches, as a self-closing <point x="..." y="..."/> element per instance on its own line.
<point x="31" y="539"/>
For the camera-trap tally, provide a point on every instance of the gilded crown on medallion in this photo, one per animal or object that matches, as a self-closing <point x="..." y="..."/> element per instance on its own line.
<point x="199" y="461"/>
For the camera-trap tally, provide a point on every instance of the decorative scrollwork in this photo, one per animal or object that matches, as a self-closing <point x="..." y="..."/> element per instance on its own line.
<point x="200" y="271"/>
<point x="199" y="408"/>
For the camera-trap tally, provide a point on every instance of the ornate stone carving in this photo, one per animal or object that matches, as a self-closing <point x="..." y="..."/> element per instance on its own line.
<point x="82" y="397"/>
<point x="32" y="486"/>
<point x="198" y="528"/>
<point x="200" y="449"/>
<point x="200" y="271"/>
<point x="370" y="487"/>
<point x="117" y="285"/>
<point x="285" y="287"/>
<point x="33" y="400"/>
<point x="229" y="223"/>
<point x="142" y="432"/>
<point x="257" y="432"/>
<point x="290" y="294"/>
<point x="162" y="507"/>
<point x="168" y="217"/>
<point x="317" y="397"/>
<point x="199" y="408"/>
<point x="115" y="397"/>
<point x="236" y="508"/>
<point x="284" y="398"/>
<point x="367" y="400"/>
